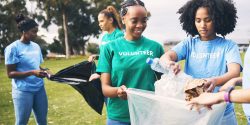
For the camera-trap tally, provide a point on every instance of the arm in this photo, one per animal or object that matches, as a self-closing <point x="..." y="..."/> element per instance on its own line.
<point x="237" y="96"/>
<point x="12" y="73"/>
<point x="233" y="82"/>
<point x="110" y="91"/>
<point x="240" y="96"/>
<point x="107" y="89"/>
<point x="233" y="71"/>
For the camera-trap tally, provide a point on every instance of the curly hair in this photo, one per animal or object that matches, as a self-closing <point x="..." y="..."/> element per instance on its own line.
<point x="222" y="13"/>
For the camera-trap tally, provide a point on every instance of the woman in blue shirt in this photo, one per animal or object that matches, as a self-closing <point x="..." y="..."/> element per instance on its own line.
<point x="22" y="59"/>
<point x="206" y="54"/>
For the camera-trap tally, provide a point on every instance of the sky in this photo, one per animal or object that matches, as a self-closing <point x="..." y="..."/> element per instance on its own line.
<point x="164" y="26"/>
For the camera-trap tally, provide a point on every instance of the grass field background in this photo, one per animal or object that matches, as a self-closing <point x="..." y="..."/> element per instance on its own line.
<point x="66" y="106"/>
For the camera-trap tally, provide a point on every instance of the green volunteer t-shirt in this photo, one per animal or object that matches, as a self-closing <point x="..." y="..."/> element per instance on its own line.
<point x="117" y="33"/>
<point x="126" y="62"/>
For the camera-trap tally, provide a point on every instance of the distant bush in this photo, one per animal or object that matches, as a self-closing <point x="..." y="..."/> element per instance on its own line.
<point x="93" y="48"/>
<point x="56" y="47"/>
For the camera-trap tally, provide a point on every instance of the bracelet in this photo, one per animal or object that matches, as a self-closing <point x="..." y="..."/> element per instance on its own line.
<point x="227" y="94"/>
<point x="226" y="97"/>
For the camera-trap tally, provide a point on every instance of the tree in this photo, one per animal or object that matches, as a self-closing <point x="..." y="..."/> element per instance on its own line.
<point x="77" y="20"/>
<point x="8" y="26"/>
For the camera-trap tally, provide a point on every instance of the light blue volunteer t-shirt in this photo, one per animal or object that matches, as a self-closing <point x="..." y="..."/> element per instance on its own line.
<point x="205" y="59"/>
<point x="26" y="57"/>
<point x="246" y="79"/>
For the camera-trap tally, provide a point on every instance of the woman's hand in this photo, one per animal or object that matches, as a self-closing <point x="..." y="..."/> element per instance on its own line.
<point x="94" y="76"/>
<point x="171" y="65"/>
<point x="39" y="73"/>
<point x="210" y="84"/>
<point x="208" y="99"/>
<point x="122" y="93"/>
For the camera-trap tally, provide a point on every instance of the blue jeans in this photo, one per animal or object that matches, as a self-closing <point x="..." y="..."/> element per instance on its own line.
<point x="115" y="122"/>
<point x="25" y="102"/>
<point x="229" y="119"/>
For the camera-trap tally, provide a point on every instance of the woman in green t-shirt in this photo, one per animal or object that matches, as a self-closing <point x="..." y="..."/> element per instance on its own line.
<point x="110" y="22"/>
<point x="123" y="65"/>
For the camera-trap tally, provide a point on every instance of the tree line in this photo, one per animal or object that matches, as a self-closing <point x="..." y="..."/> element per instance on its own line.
<point x="76" y="19"/>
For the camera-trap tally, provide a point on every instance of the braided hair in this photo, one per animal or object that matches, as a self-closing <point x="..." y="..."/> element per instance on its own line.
<point x="222" y="13"/>
<point x="128" y="3"/>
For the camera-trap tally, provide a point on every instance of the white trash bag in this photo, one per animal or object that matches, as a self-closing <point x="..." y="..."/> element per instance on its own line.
<point x="167" y="106"/>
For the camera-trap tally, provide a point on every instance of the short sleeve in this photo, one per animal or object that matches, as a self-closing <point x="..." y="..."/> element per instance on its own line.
<point x="11" y="55"/>
<point x="233" y="54"/>
<point x="105" y="60"/>
<point x="181" y="49"/>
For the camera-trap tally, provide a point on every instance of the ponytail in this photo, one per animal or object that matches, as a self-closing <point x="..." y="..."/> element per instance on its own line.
<point x="111" y="12"/>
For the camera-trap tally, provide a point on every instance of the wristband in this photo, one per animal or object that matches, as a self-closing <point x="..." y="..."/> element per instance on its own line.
<point x="226" y="97"/>
<point x="227" y="94"/>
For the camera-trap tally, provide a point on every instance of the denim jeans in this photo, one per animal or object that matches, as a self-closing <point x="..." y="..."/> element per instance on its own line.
<point x="229" y="119"/>
<point x="115" y="122"/>
<point x="25" y="102"/>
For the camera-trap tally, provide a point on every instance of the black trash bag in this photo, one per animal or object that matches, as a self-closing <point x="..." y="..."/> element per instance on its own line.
<point x="77" y="76"/>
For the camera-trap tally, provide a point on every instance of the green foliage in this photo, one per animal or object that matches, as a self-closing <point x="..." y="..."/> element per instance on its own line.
<point x="81" y="19"/>
<point x="93" y="48"/>
<point x="56" y="47"/>
<point x="42" y="43"/>
<point x="8" y="26"/>
<point x="66" y="105"/>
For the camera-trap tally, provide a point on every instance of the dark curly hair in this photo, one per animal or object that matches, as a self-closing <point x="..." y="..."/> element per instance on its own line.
<point x="222" y="13"/>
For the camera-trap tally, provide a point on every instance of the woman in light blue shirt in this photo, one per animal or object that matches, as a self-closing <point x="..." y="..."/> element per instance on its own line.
<point x="22" y="59"/>
<point x="207" y="55"/>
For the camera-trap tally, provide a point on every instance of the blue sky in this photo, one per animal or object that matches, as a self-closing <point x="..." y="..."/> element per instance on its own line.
<point x="164" y="25"/>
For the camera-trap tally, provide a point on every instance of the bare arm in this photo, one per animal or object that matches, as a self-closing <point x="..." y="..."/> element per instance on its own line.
<point x="12" y="73"/>
<point x="236" y="96"/>
<point x="233" y="71"/>
<point x="240" y="96"/>
<point x="232" y="82"/>
<point x="107" y="89"/>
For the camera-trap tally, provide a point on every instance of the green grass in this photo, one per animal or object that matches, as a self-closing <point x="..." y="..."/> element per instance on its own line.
<point x="66" y="106"/>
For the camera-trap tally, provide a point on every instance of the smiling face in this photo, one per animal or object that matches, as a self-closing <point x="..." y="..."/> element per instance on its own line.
<point x="135" y="21"/>
<point x="204" y="24"/>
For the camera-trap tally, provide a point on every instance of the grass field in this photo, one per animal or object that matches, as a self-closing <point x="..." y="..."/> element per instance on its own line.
<point x="66" y="106"/>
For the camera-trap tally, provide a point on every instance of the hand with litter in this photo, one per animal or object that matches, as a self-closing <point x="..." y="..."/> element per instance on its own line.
<point x="121" y="92"/>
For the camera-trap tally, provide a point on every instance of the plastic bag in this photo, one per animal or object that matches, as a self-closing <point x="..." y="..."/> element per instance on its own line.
<point x="167" y="106"/>
<point x="171" y="85"/>
<point x="146" y="108"/>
